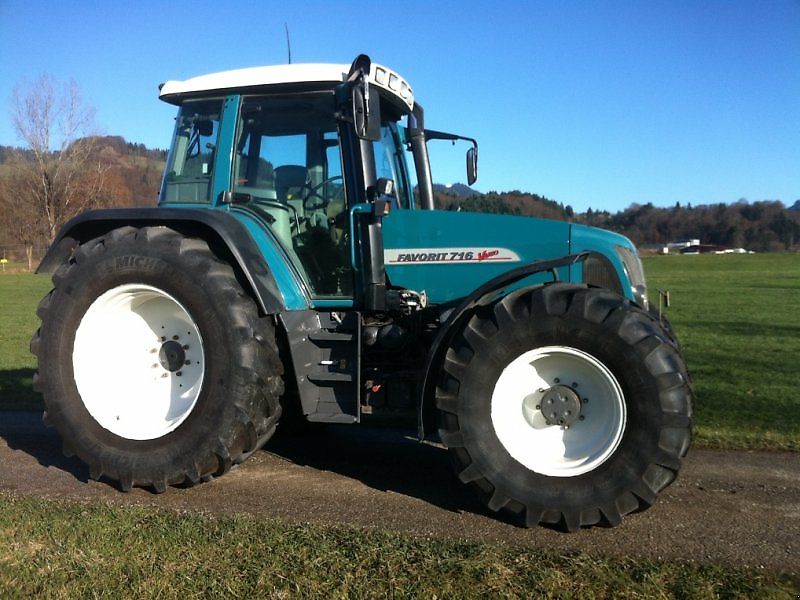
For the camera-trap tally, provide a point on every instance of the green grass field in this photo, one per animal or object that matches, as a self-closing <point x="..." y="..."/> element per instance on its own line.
<point x="65" y="550"/>
<point x="738" y="319"/>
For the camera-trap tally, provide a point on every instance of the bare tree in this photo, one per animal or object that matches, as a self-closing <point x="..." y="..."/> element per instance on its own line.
<point x="58" y="173"/>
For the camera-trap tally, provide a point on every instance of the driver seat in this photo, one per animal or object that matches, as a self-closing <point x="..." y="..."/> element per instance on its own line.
<point x="290" y="180"/>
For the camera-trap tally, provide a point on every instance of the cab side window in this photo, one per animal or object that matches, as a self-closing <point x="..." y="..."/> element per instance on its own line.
<point x="190" y="164"/>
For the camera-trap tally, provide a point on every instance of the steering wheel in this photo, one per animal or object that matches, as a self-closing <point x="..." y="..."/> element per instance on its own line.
<point x="313" y="192"/>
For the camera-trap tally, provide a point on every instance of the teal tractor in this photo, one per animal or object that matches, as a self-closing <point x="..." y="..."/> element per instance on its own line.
<point x="295" y="268"/>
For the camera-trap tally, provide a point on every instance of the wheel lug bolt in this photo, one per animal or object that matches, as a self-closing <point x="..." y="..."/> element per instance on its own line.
<point x="186" y="346"/>
<point x="187" y="363"/>
<point x="163" y="339"/>
<point x="538" y="406"/>
<point x="585" y="401"/>
<point x="164" y="375"/>
<point x="178" y="374"/>
<point x="574" y="384"/>
<point x="557" y="380"/>
<point x="174" y="337"/>
<point x="581" y="417"/>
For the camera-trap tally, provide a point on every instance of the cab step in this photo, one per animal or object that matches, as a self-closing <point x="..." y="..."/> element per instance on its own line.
<point x="326" y="355"/>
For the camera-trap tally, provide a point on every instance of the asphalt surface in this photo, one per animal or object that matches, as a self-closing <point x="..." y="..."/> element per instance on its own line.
<point x="729" y="508"/>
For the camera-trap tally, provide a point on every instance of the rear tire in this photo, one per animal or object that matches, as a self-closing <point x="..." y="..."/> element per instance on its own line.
<point x="622" y="392"/>
<point x="154" y="364"/>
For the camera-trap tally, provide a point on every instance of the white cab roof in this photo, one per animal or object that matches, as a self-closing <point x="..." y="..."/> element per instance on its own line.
<point x="256" y="76"/>
<point x="385" y="78"/>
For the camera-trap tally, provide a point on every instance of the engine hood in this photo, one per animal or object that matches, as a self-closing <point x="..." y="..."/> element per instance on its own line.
<point x="449" y="254"/>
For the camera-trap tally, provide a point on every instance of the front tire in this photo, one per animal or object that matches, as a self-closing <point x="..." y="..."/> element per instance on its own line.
<point x="154" y="364"/>
<point x="565" y="406"/>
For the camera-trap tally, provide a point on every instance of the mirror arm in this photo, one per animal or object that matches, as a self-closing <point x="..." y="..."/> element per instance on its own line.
<point x="431" y="134"/>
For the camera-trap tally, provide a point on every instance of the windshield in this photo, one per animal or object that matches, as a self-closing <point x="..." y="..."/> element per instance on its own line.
<point x="390" y="163"/>
<point x="190" y="165"/>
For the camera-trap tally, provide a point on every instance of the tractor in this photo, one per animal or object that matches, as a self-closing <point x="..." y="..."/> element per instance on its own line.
<point x="295" y="269"/>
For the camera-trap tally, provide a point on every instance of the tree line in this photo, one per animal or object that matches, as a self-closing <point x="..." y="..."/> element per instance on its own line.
<point x="762" y="226"/>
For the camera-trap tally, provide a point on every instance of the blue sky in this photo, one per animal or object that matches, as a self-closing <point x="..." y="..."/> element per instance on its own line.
<point x="597" y="104"/>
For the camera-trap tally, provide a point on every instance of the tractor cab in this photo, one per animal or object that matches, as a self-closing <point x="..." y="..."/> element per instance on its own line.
<point x="302" y="150"/>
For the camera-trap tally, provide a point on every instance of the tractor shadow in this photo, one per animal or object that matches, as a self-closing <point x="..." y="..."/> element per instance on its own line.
<point x="384" y="458"/>
<point x="21" y="422"/>
<point x="16" y="390"/>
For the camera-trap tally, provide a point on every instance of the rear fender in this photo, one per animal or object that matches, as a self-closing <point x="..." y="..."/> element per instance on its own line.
<point x="223" y="232"/>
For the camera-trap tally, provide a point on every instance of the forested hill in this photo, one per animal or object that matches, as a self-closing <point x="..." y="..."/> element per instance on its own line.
<point x="132" y="175"/>
<point x="761" y="226"/>
<point x="132" y="172"/>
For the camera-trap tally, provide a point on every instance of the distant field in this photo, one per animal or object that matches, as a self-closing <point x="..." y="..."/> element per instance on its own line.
<point x="737" y="317"/>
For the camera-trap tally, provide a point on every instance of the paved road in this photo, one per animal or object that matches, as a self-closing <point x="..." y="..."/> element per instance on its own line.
<point x="737" y="508"/>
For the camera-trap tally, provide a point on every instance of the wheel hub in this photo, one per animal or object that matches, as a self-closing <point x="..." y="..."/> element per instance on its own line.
<point x="560" y="405"/>
<point x="172" y="356"/>
<point x="542" y="416"/>
<point x="151" y="383"/>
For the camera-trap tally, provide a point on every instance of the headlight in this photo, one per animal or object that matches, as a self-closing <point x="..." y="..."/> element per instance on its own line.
<point x="633" y="269"/>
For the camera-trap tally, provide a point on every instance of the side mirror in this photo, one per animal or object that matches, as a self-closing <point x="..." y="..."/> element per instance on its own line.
<point x="366" y="111"/>
<point x="366" y="104"/>
<point x="472" y="165"/>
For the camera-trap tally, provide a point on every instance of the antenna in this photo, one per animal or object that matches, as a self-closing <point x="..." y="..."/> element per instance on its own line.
<point x="288" y="43"/>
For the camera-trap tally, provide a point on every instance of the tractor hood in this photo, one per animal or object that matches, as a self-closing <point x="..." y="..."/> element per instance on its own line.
<point x="584" y="235"/>
<point x="449" y="254"/>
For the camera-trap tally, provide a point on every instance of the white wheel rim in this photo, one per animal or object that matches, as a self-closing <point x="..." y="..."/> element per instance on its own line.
<point x="117" y="361"/>
<point x="552" y="449"/>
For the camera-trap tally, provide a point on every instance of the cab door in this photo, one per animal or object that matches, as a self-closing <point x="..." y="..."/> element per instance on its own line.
<point x="287" y="168"/>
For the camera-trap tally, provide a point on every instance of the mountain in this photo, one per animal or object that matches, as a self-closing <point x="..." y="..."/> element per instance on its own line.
<point x="456" y="189"/>
<point x="795" y="206"/>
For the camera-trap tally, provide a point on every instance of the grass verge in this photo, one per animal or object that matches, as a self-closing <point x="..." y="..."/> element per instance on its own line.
<point x="62" y="550"/>
<point x="738" y="320"/>
<point x="19" y="295"/>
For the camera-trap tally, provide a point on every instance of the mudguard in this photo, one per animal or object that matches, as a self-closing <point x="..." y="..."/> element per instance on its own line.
<point x="199" y="222"/>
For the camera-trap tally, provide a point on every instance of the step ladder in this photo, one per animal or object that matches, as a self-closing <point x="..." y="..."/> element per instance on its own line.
<point x="326" y="355"/>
